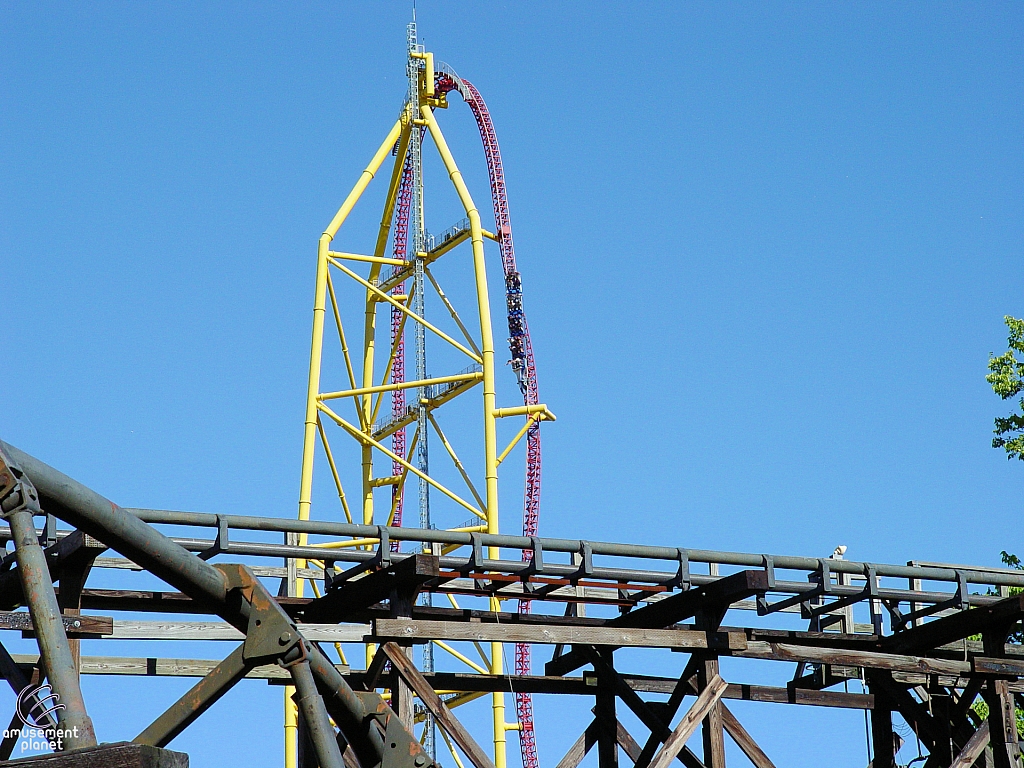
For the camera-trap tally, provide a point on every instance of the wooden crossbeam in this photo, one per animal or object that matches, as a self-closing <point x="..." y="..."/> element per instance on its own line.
<point x="444" y="717"/>
<point x="955" y="627"/>
<point x="689" y="724"/>
<point x="973" y="748"/>
<point x="713" y="598"/>
<point x="354" y="595"/>
<point x="581" y="746"/>
<point x="555" y="634"/>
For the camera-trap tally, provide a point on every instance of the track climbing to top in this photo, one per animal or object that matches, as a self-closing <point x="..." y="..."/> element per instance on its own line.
<point x="522" y="363"/>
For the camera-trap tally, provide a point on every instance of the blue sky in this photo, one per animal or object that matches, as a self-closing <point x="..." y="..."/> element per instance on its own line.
<point x="766" y="252"/>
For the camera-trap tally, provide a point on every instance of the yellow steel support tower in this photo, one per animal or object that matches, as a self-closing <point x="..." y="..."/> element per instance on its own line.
<point x="366" y="388"/>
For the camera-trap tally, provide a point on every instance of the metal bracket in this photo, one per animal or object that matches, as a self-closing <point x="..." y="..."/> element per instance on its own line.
<point x="221" y="543"/>
<point x="16" y="490"/>
<point x="586" y="559"/>
<point x="536" y="557"/>
<point x="682" y="579"/>
<point x="270" y="634"/>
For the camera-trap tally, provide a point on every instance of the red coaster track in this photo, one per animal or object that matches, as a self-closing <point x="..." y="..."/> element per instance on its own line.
<point x="522" y="363"/>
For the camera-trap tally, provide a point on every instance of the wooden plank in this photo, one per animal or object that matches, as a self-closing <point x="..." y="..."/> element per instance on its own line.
<point x="996" y="666"/>
<point x="713" y="729"/>
<point x="580" y="747"/>
<point x="402" y="665"/>
<point x="554" y="634"/>
<point x="871" y="660"/>
<point x="121" y="755"/>
<point x="973" y="748"/>
<point x="154" y="667"/>
<point x="744" y="740"/>
<point x="689" y="724"/>
<point x="75" y="626"/>
<point x="220" y="630"/>
<point x="584" y="686"/>
<point x="627" y="742"/>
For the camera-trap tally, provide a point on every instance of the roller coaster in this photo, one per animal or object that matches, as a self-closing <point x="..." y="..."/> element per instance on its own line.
<point x="930" y="644"/>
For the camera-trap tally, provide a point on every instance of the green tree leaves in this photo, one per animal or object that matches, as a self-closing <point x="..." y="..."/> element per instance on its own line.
<point x="1006" y="375"/>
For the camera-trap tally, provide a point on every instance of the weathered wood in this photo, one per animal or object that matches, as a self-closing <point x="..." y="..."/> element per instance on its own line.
<point x="154" y="667"/>
<point x="677" y="693"/>
<point x="75" y="626"/>
<point x="973" y="748"/>
<point x="404" y="667"/>
<point x="892" y="662"/>
<point x="581" y="686"/>
<point x="689" y="724"/>
<point x="744" y="740"/>
<point x="955" y="627"/>
<point x="604" y="711"/>
<point x="220" y="630"/>
<point x="580" y="747"/>
<point x="882" y="744"/>
<point x="121" y="755"/>
<point x="407" y="575"/>
<point x="658" y="727"/>
<point x="1002" y="724"/>
<point x="713" y="733"/>
<point x="627" y="742"/>
<point x="712" y="599"/>
<point x="557" y="634"/>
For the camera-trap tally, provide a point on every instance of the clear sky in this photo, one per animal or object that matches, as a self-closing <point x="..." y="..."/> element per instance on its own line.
<point x="766" y="252"/>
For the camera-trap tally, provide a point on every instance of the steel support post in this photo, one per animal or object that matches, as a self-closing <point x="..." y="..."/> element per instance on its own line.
<point x="20" y="501"/>
<point x="314" y="716"/>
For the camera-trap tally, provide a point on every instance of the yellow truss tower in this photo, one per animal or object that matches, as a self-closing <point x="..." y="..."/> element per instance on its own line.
<point x="365" y="379"/>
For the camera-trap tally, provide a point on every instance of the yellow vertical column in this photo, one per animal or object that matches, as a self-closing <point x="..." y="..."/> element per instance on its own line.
<point x="490" y="434"/>
<point x="313" y="390"/>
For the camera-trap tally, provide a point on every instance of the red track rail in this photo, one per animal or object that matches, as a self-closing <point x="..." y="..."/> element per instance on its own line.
<point x="522" y="363"/>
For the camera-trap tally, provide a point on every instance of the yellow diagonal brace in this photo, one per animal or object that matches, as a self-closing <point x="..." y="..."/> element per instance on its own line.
<point x="352" y="430"/>
<point x="451" y="311"/>
<point x="519" y="436"/>
<point x="334" y="468"/>
<point x="395" y="303"/>
<point x="455" y="459"/>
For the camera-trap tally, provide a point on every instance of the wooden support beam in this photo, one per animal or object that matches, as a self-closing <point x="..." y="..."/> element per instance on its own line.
<point x="712" y="599"/>
<point x="71" y="550"/>
<point x="689" y="724"/>
<point x="973" y="749"/>
<point x="406" y="575"/>
<point x="974" y="621"/>
<point x="713" y="728"/>
<point x="1002" y="724"/>
<point x="581" y="746"/>
<point x="554" y="634"/>
<point x="658" y="727"/>
<point x="744" y="740"/>
<point x="404" y="667"/>
<point x="882" y="745"/>
<point x="604" y="710"/>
